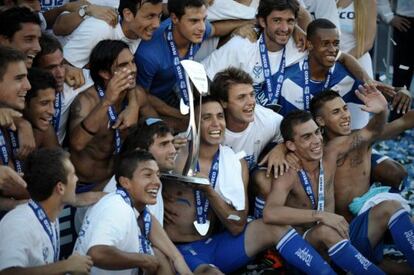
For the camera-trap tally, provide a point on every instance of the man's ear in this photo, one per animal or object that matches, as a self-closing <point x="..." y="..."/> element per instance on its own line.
<point x="4" y="40"/>
<point x="124" y="182"/>
<point x="320" y="121"/>
<point x="223" y="104"/>
<point x="105" y="74"/>
<point x="128" y="15"/>
<point x="174" y="18"/>
<point x="60" y="188"/>
<point x="309" y="44"/>
<point x="290" y="145"/>
<point x="262" y="22"/>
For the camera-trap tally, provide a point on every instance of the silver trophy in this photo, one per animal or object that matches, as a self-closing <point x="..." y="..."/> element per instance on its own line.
<point x="196" y="72"/>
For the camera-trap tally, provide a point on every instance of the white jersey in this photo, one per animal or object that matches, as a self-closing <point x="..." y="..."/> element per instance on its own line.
<point x="113" y="222"/>
<point x="348" y="37"/>
<point x="84" y="38"/>
<point x="224" y="10"/>
<point x="323" y="9"/>
<point x="68" y="95"/>
<point x="157" y="209"/>
<point x="23" y="240"/>
<point x="243" y="54"/>
<point x="264" y="129"/>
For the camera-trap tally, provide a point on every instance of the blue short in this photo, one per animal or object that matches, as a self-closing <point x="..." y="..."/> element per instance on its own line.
<point x="358" y="233"/>
<point x="225" y="251"/>
<point x="377" y="158"/>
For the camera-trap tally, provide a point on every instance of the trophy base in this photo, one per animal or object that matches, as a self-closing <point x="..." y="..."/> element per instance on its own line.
<point x="184" y="179"/>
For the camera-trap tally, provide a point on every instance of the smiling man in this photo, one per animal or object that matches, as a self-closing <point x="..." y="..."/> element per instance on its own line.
<point x="39" y="110"/>
<point x="120" y="234"/>
<point x="273" y="51"/>
<point x="20" y="29"/>
<point x="217" y="239"/>
<point x="13" y="89"/>
<point x="319" y="71"/>
<point x="178" y="38"/>
<point x="305" y="198"/>
<point x="139" y="20"/>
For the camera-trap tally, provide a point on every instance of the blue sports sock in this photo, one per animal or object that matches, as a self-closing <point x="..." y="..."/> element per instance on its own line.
<point x="402" y="231"/>
<point x="297" y="252"/>
<point x="259" y="203"/>
<point x="345" y="255"/>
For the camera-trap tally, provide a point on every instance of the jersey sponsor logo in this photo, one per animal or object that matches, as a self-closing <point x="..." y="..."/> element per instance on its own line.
<point x="363" y="261"/>
<point x="347" y="15"/>
<point x="257" y="70"/>
<point x="409" y="235"/>
<point x="304" y="255"/>
<point x="47" y="4"/>
<point x="45" y="252"/>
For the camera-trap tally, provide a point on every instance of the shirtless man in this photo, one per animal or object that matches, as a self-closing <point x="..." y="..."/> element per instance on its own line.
<point x="312" y="212"/>
<point x="227" y="199"/>
<point x="352" y="180"/>
<point x="93" y="137"/>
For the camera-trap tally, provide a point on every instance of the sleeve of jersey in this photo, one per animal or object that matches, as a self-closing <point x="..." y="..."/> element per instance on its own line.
<point x="147" y="67"/>
<point x="207" y="33"/>
<point x="15" y="244"/>
<point x="111" y="227"/>
<point x="225" y="56"/>
<point x="81" y="42"/>
<point x="276" y="124"/>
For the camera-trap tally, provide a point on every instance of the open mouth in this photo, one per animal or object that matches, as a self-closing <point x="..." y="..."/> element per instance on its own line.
<point x="215" y="133"/>
<point x="153" y="192"/>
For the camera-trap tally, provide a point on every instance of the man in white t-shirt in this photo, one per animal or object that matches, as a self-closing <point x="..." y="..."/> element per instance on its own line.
<point x="152" y="135"/>
<point x="120" y="234"/>
<point x="29" y="239"/>
<point x="263" y="58"/>
<point x="139" y="19"/>
<point x="249" y="126"/>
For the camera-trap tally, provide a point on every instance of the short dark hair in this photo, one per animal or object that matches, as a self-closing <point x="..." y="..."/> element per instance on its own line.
<point x="266" y="7"/>
<point x="320" y="99"/>
<point x="11" y="20"/>
<point x="178" y="6"/>
<point x="133" y="5"/>
<point x="103" y="57"/>
<point x="9" y="55"/>
<point x="315" y="25"/>
<point x="223" y="80"/>
<point x="39" y="80"/>
<point x="44" y="168"/>
<point x="128" y="162"/>
<point x="142" y="135"/>
<point x="48" y="44"/>
<point x="291" y="120"/>
<point x="206" y="99"/>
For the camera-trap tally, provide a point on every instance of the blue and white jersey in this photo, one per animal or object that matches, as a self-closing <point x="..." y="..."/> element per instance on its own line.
<point x="292" y="97"/>
<point x="155" y="64"/>
<point x="50" y="4"/>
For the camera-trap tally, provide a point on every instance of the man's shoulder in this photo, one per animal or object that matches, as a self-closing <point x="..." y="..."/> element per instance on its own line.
<point x="93" y="27"/>
<point x="21" y="215"/>
<point x="265" y="116"/>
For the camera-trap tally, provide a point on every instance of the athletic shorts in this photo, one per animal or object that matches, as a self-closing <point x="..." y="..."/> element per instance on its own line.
<point x="223" y="250"/>
<point x="358" y="233"/>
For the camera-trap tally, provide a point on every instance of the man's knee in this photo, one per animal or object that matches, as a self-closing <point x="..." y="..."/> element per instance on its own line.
<point x="389" y="172"/>
<point x="384" y="210"/>
<point x="326" y="235"/>
<point x="208" y="269"/>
